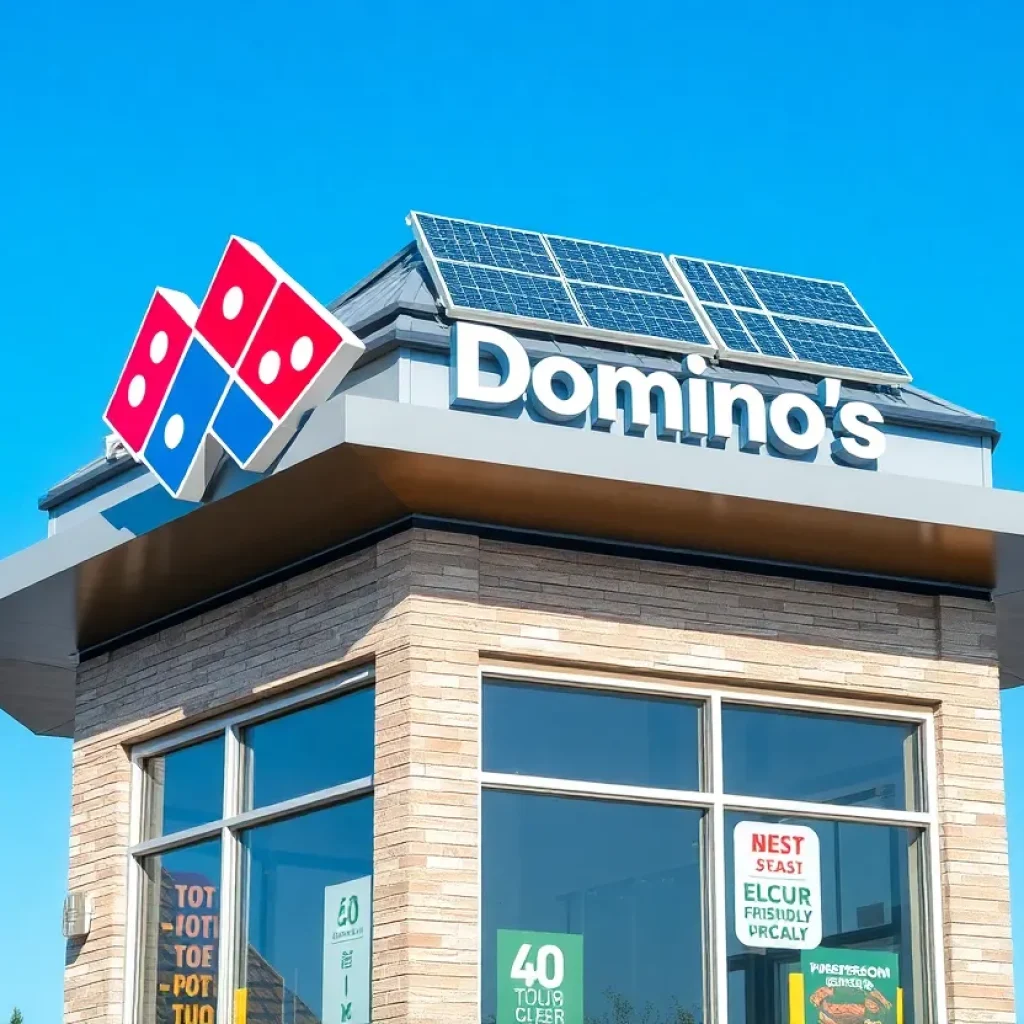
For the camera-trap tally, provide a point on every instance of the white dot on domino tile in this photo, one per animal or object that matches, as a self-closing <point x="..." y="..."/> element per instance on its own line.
<point x="158" y="347"/>
<point x="270" y="366"/>
<point x="174" y="431"/>
<point x="232" y="304"/>
<point x="136" y="390"/>
<point x="302" y="353"/>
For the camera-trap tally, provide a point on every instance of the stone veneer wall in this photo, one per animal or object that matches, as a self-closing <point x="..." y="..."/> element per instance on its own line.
<point x="429" y="609"/>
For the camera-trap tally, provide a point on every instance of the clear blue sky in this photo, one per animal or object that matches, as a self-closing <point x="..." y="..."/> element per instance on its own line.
<point x="876" y="143"/>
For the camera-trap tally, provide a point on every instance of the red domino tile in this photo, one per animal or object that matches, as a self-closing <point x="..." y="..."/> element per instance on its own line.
<point x="237" y="296"/>
<point x="289" y="349"/>
<point x="147" y="374"/>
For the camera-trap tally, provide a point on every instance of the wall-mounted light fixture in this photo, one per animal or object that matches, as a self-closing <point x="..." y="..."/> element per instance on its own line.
<point x="77" y="915"/>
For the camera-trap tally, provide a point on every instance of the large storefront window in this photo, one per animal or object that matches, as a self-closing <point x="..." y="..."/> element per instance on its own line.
<point x="653" y="860"/>
<point x="254" y="866"/>
<point x="625" y="876"/>
<point x="871" y="900"/>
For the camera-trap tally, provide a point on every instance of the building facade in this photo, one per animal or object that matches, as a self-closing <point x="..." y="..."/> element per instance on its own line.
<point x="465" y="714"/>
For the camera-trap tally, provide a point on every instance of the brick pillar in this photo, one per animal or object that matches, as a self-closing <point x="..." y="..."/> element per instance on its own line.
<point x="972" y="819"/>
<point x="101" y="782"/>
<point x="426" y="847"/>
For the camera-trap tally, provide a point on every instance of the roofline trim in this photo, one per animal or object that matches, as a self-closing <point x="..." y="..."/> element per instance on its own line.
<point x="546" y="539"/>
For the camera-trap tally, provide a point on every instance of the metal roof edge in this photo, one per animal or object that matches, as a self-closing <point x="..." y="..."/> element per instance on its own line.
<point x="92" y="475"/>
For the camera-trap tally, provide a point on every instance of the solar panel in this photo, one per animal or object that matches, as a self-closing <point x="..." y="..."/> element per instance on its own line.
<point x="505" y="248"/>
<point x="632" y="312"/>
<point x="765" y="336"/>
<point x="835" y="345"/>
<point x="504" y="291"/>
<point x="734" y="284"/>
<point x="730" y="328"/>
<point x="798" y="296"/>
<point x="632" y="295"/>
<point x="635" y="269"/>
<point x="789" y="318"/>
<point x="701" y="280"/>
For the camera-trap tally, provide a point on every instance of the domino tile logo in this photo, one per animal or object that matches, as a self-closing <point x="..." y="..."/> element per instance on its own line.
<point x="235" y="374"/>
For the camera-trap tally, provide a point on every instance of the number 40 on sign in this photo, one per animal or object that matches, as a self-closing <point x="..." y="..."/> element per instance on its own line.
<point x="540" y="978"/>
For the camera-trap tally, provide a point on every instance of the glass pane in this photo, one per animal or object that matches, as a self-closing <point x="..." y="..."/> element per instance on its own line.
<point x="833" y="759"/>
<point x="627" y="877"/>
<point x="591" y="736"/>
<point x="314" y="748"/>
<point x="180" y="930"/>
<point x="291" y="869"/>
<point x="872" y="899"/>
<point x="186" y="787"/>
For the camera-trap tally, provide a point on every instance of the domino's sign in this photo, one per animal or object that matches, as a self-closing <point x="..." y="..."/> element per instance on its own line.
<point x="233" y="375"/>
<point x="688" y="407"/>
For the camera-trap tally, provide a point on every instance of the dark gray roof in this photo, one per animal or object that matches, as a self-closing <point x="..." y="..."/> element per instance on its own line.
<point x="397" y="305"/>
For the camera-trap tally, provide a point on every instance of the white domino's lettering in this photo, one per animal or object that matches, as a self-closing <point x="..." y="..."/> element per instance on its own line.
<point x="684" y="407"/>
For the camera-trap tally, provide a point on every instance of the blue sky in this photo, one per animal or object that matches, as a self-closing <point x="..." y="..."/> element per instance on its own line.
<point x="873" y="143"/>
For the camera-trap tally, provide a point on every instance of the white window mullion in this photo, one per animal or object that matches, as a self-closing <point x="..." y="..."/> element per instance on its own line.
<point x="933" y="874"/>
<point x="718" y="926"/>
<point x="601" y="790"/>
<point x="827" y="812"/>
<point x="227" y="948"/>
<point x="133" y="908"/>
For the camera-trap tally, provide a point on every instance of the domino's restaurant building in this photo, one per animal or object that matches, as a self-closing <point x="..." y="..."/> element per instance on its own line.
<point x="619" y="641"/>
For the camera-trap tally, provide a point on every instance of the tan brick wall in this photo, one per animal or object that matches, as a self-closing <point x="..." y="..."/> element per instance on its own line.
<point x="430" y="609"/>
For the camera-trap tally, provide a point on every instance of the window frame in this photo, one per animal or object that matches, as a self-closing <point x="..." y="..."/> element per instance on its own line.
<point x="229" y="827"/>
<point x="715" y="802"/>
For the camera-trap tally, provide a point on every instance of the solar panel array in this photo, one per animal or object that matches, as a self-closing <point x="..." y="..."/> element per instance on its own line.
<point x="584" y="287"/>
<point x="760" y="312"/>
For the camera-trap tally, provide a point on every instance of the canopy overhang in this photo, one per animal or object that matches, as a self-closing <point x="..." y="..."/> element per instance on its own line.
<point x="363" y="466"/>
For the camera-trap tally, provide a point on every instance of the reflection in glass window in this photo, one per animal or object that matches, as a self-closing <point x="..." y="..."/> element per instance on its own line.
<point x="289" y="868"/>
<point x="186" y="787"/>
<point x="591" y="735"/>
<point x="180" y="931"/>
<point x="627" y="877"/>
<point x="314" y="748"/>
<point x="834" y="759"/>
<point x="872" y="899"/>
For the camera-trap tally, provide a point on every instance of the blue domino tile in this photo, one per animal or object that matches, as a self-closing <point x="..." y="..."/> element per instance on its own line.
<point x="241" y="425"/>
<point x="197" y="388"/>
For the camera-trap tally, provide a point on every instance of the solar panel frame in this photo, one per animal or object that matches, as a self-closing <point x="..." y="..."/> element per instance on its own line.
<point x="713" y="343"/>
